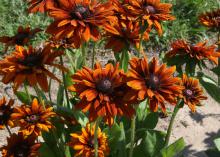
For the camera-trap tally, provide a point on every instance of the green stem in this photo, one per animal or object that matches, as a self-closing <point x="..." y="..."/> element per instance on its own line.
<point x="84" y="53"/>
<point x="132" y="136"/>
<point x="176" y="109"/>
<point x="27" y="92"/>
<point x="64" y="83"/>
<point x="93" y="55"/>
<point x="9" y="131"/>
<point x="50" y="82"/>
<point x="96" y="144"/>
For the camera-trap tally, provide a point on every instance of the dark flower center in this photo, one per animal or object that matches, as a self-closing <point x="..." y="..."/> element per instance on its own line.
<point x="4" y="115"/>
<point x="153" y="82"/>
<point x="31" y="60"/>
<point x="91" y="143"/>
<point x="150" y="9"/>
<point x="20" y="37"/>
<point x="80" y="12"/>
<point x="32" y="118"/>
<point x="21" y="150"/>
<point x="104" y="86"/>
<point x="188" y="93"/>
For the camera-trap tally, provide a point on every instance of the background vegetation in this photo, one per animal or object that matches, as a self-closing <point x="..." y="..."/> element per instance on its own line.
<point x="14" y="13"/>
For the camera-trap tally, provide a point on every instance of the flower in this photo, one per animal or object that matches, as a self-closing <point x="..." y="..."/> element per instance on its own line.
<point x="29" y="65"/>
<point x="79" y="19"/>
<point x="83" y="143"/>
<point x="122" y="34"/>
<point x="151" y="11"/>
<point x="33" y="119"/>
<point x="210" y="19"/>
<point x="20" y="146"/>
<point x="152" y="81"/>
<point x="5" y="112"/>
<point x="22" y="37"/>
<point x="199" y="51"/>
<point x="101" y="91"/>
<point x="40" y="5"/>
<point x="192" y="92"/>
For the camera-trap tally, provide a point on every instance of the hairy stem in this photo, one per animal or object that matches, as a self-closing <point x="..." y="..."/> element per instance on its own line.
<point x="169" y="131"/>
<point x="84" y="53"/>
<point x="132" y="136"/>
<point x="93" y="55"/>
<point x="96" y="144"/>
<point x="64" y="83"/>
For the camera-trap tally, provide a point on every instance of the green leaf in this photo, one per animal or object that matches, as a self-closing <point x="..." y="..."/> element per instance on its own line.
<point x="217" y="143"/>
<point x="79" y="61"/>
<point x="23" y="97"/>
<point x="142" y="110"/>
<point x="68" y="79"/>
<point x="173" y="149"/>
<point x="151" y="120"/>
<point x="190" y="68"/>
<point x="212" y="152"/>
<point x="52" y="144"/>
<point x="210" y="86"/>
<point x="124" y="60"/>
<point x="45" y="151"/>
<point x="78" y="115"/>
<point x="177" y="60"/>
<point x="216" y="70"/>
<point x="149" y="143"/>
<point x="60" y="95"/>
<point x="117" y="140"/>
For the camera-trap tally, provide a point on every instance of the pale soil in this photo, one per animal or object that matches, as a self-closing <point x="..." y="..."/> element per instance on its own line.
<point x="198" y="129"/>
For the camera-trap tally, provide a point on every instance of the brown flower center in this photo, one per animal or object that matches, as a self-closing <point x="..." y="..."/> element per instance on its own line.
<point x="21" y="150"/>
<point x="80" y="12"/>
<point x="153" y="82"/>
<point x="20" y="37"/>
<point x="31" y="60"/>
<point x="188" y="93"/>
<point x="91" y="143"/>
<point x="150" y="9"/>
<point x="105" y="86"/>
<point x="32" y="118"/>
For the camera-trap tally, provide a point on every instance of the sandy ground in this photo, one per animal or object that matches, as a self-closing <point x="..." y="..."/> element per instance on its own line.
<point x="198" y="129"/>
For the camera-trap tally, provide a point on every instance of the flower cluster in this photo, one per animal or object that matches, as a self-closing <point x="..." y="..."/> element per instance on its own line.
<point x="101" y="95"/>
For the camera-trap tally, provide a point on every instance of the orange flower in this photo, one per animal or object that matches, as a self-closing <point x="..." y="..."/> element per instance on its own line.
<point x="210" y="19"/>
<point x="123" y="34"/>
<point x="40" y="5"/>
<point x="22" y="37"/>
<point x="192" y="93"/>
<point x="198" y="51"/>
<point x="83" y="143"/>
<point x="79" y="19"/>
<point x="33" y="119"/>
<point x="20" y="146"/>
<point x="29" y="65"/>
<point x="5" y="113"/>
<point x="151" y="11"/>
<point x="101" y="91"/>
<point x="152" y="81"/>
